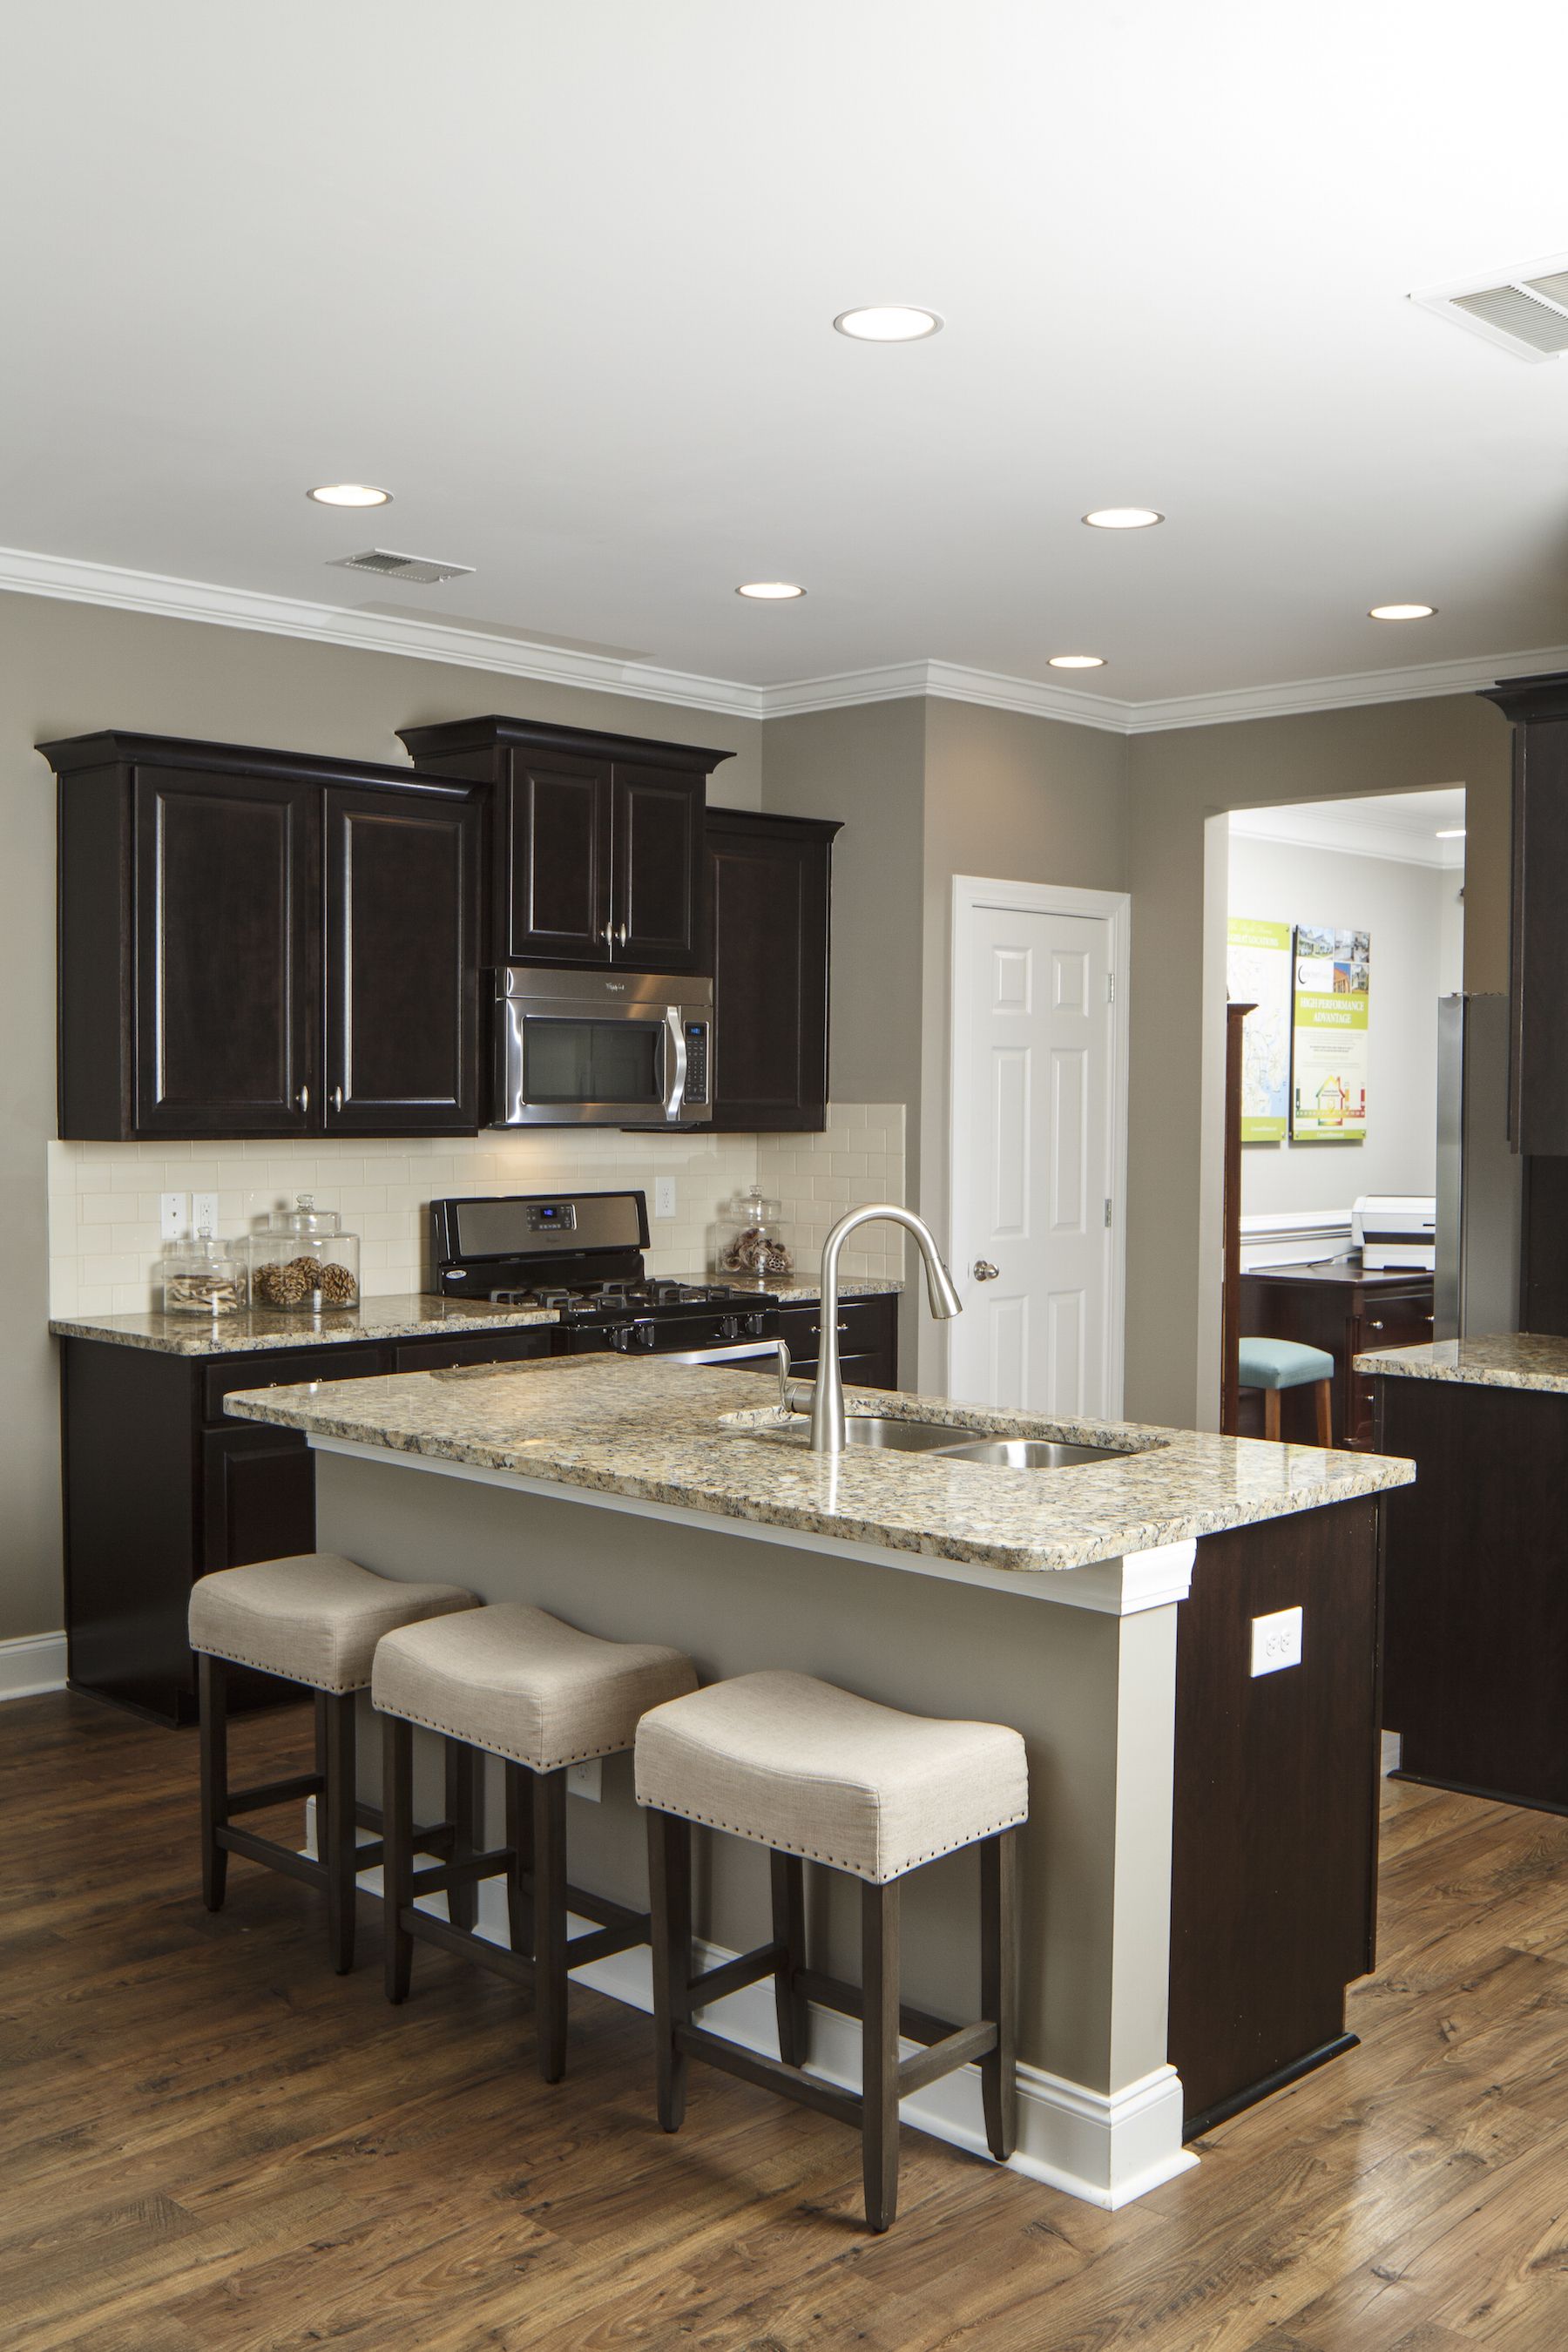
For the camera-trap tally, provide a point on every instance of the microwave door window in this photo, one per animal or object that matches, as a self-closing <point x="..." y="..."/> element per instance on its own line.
<point x="594" y="1062"/>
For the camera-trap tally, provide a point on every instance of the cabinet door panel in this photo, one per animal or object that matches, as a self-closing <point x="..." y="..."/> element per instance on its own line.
<point x="259" y="1489"/>
<point x="401" y="965"/>
<point x="769" y="982"/>
<point x="658" y="867"/>
<point x="226" y="873"/>
<point x="555" y="865"/>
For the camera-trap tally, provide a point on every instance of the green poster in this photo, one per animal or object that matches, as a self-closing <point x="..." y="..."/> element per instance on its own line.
<point x="1328" y="1035"/>
<point x="1258" y="972"/>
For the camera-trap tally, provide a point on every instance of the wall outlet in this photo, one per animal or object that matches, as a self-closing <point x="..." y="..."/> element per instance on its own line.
<point x="1276" y="1641"/>
<point x="204" y="1213"/>
<point x="585" y="1779"/>
<point x="664" y="1196"/>
<point x="173" y="1215"/>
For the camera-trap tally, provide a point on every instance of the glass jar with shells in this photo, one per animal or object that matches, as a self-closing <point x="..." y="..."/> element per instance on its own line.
<point x="302" y="1263"/>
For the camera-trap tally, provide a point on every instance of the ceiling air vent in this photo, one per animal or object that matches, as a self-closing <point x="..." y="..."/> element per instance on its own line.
<point x="1524" y="311"/>
<point x="387" y="565"/>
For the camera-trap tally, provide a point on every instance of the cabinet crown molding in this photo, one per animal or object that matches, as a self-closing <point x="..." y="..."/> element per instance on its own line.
<point x="541" y="735"/>
<point x="118" y="747"/>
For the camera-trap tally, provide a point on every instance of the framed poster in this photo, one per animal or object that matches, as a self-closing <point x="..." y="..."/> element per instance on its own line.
<point x="1328" y="1035"/>
<point x="1257" y="971"/>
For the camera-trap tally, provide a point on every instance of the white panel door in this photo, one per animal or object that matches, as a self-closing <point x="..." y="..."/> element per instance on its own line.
<point x="1034" y="1145"/>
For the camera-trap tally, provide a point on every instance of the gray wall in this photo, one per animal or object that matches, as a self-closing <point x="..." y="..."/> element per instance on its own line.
<point x="1179" y="782"/>
<point x="65" y="669"/>
<point x="1403" y="908"/>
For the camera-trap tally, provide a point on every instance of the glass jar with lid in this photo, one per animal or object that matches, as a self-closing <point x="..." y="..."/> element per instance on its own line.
<point x="202" y="1278"/>
<point x="750" y="1239"/>
<point x="302" y="1263"/>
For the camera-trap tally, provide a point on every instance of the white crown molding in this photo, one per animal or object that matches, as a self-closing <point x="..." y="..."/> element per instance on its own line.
<point x="1350" y="835"/>
<point x="288" y="616"/>
<point x="24" y="572"/>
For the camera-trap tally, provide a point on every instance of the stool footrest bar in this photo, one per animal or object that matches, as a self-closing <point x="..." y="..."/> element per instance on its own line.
<point x="467" y="1946"/>
<point x="443" y="1875"/>
<point x="832" y="1992"/>
<point x="274" y="1792"/>
<point x="602" y="1943"/>
<point x="770" y="2074"/>
<point x="956" y="2049"/>
<point x="276" y="1856"/>
<point x="744" y="1969"/>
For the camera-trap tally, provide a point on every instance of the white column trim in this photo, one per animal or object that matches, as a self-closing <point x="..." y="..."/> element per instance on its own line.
<point x="32" y="1663"/>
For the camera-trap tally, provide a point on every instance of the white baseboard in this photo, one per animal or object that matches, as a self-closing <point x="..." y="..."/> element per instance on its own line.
<point x="31" y="1663"/>
<point x="1107" y="2149"/>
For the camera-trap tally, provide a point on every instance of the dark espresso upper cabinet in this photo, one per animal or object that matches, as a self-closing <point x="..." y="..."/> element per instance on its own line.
<point x="597" y="840"/>
<point x="255" y="942"/>
<point x="1538" y="984"/>
<point x="766" y="911"/>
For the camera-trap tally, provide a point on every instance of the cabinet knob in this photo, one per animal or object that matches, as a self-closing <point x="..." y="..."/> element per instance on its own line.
<point x="622" y="935"/>
<point x="304" y="1099"/>
<point x="337" y="1098"/>
<point x="610" y="935"/>
<point x="1374" y="1325"/>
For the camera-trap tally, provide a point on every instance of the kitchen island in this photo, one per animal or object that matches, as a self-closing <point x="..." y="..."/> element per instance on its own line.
<point x="1475" y="1642"/>
<point x="1200" y="1859"/>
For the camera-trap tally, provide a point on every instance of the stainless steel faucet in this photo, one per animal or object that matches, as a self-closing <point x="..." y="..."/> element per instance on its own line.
<point x="828" y="1436"/>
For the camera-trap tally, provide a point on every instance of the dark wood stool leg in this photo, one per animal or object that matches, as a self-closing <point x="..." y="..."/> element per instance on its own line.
<point x="549" y="1922"/>
<point x="1272" y="1413"/>
<point x="335" y="1719"/>
<point x="464" y="1768"/>
<point x="396" y="1849"/>
<point x="1325" y="1413"/>
<point x="998" y="1989"/>
<point x="880" y="1984"/>
<point x="670" y="1898"/>
<point x="520" y="1837"/>
<point x="788" y="1874"/>
<point x="212" y="1680"/>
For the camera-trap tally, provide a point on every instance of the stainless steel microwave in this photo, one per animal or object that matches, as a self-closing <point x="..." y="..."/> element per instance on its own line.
<point x="602" y="1048"/>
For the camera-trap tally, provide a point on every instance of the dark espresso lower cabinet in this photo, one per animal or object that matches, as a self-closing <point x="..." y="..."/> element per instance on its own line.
<point x="161" y="1486"/>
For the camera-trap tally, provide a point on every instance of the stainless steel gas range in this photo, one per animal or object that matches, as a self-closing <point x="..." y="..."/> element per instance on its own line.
<point x="581" y="1254"/>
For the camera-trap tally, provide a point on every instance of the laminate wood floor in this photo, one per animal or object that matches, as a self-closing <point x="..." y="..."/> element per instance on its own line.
<point x="206" y="2140"/>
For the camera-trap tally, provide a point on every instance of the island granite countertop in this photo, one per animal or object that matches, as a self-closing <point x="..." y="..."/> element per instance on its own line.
<point x="1504" y="1360"/>
<point x="696" y="1439"/>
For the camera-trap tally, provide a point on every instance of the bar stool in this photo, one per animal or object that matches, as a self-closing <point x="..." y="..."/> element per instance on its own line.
<point x="313" y="1618"/>
<point x="1274" y="1365"/>
<point x="817" y="1774"/>
<point x="512" y="1681"/>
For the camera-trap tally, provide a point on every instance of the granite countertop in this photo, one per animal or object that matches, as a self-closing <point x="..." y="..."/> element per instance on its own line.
<point x="1507" y="1359"/>
<point x="658" y="1433"/>
<point x="410" y="1315"/>
<point x="798" y="1293"/>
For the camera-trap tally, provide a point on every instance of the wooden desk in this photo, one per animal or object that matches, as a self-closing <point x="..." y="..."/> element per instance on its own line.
<point x="1342" y="1309"/>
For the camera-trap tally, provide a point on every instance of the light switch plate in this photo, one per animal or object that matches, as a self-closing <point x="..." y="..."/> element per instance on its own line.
<point x="1277" y="1641"/>
<point x="664" y="1196"/>
<point x="173" y="1215"/>
<point x="584" y="1779"/>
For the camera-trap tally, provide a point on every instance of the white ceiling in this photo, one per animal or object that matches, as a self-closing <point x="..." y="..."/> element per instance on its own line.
<point x="563" y="277"/>
<point x="1407" y="826"/>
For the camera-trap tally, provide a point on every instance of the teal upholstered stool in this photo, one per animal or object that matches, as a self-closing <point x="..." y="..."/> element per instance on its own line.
<point x="1274" y="1365"/>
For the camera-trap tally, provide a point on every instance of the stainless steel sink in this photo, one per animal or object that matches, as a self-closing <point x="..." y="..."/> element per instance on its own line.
<point x="899" y="1436"/>
<point x="1030" y="1453"/>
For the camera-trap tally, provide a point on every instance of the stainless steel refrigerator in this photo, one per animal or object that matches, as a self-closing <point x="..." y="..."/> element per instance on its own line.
<point x="1479" y="1177"/>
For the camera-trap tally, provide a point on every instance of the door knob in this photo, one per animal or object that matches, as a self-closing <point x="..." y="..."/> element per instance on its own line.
<point x="983" y="1271"/>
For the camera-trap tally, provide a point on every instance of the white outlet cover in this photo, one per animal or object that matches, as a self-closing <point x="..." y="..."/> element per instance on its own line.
<point x="173" y="1215"/>
<point x="585" y="1779"/>
<point x="1277" y="1641"/>
<point x="664" y="1196"/>
<point x="204" y="1213"/>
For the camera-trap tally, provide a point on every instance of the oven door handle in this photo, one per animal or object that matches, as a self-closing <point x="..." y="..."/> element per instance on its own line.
<point x="748" y="1350"/>
<point x="676" y="1026"/>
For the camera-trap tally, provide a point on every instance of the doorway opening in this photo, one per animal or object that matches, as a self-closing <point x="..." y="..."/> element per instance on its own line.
<point x="1345" y="930"/>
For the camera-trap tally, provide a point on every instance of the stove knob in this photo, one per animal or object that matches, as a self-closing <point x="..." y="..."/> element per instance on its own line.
<point x="755" y="1323"/>
<point x="641" y="1334"/>
<point x="729" y="1326"/>
<point x="621" y="1337"/>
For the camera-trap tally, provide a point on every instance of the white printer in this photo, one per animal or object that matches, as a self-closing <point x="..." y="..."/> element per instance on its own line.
<point x="1395" y="1229"/>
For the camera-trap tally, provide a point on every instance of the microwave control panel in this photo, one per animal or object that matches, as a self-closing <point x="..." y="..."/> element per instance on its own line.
<point x="696" y="1061"/>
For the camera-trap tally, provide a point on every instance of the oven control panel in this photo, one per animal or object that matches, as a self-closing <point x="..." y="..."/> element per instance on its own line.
<point x="696" y="1061"/>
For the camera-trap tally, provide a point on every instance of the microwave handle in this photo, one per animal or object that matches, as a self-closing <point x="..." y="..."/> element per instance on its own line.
<point x="676" y="1095"/>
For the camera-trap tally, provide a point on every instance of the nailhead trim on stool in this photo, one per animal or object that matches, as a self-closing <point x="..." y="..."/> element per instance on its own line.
<point x="807" y="1769"/>
<point x="515" y="1683"/>
<point x="313" y="1618"/>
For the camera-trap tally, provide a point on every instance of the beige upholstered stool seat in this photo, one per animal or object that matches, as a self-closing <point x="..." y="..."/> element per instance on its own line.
<point x="807" y="1768"/>
<point x="523" y="1684"/>
<point x="315" y="1618"/>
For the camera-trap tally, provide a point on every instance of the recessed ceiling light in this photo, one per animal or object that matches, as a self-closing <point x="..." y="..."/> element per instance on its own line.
<point x="1449" y="833"/>
<point x="1077" y="661"/>
<point x="350" y="494"/>
<point x="1122" y="518"/>
<point x="770" y="592"/>
<point x="1402" y="612"/>
<point x="888" y="322"/>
